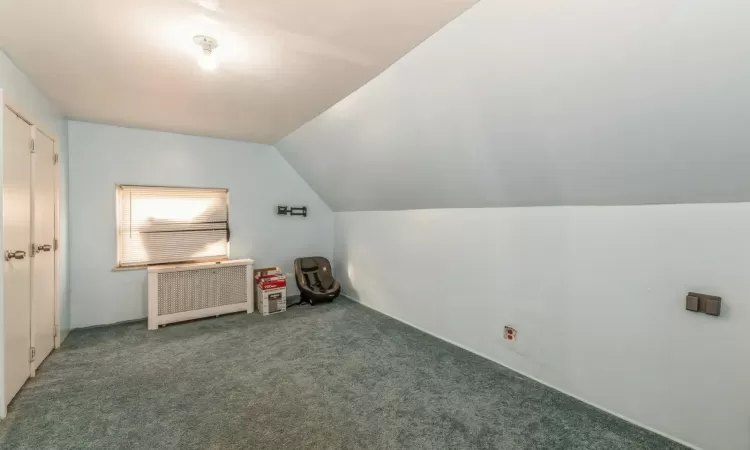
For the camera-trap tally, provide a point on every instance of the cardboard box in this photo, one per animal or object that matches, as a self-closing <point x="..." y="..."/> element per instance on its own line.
<point x="270" y="290"/>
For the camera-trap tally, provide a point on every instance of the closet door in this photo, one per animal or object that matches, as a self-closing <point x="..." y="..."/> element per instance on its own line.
<point x="43" y="259"/>
<point x="16" y="249"/>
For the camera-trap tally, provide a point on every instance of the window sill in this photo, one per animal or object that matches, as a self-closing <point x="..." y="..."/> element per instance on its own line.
<point x="146" y="266"/>
<point x="129" y="268"/>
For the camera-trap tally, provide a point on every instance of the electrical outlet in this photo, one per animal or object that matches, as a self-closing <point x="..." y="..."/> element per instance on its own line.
<point x="510" y="334"/>
<point x="709" y="304"/>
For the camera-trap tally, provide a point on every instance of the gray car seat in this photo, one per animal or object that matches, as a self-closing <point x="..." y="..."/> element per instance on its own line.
<point x="315" y="280"/>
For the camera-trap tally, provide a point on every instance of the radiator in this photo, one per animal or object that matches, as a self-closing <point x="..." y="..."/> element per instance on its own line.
<point x="190" y="291"/>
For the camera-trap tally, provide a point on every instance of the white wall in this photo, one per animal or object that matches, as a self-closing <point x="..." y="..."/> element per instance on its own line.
<point x="17" y="89"/>
<point x="256" y="175"/>
<point x="558" y="102"/>
<point x="546" y="102"/>
<point x="597" y="295"/>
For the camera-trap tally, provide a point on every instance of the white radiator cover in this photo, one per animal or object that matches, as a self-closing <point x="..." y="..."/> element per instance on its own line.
<point x="190" y="291"/>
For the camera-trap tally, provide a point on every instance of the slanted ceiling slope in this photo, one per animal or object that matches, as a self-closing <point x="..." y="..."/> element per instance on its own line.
<point x="547" y="102"/>
<point x="281" y="62"/>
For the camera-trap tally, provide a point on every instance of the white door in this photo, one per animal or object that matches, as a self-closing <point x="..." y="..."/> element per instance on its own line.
<point x="43" y="259"/>
<point x="16" y="249"/>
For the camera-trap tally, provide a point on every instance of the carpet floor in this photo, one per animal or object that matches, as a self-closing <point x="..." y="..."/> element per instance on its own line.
<point x="336" y="376"/>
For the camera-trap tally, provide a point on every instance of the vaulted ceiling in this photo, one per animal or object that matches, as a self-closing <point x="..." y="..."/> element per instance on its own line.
<point x="547" y="102"/>
<point x="539" y="102"/>
<point x="282" y="62"/>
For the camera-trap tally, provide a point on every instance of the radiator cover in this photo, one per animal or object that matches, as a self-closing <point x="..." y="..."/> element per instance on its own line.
<point x="190" y="291"/>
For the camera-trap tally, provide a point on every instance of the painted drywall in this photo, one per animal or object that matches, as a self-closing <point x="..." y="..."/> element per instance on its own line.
<point x="552" y="102"/>
<point x="17" y="89"/>
<point x="597" y="295"/>
<point x="546" y="102"/>
<point x="256" y="175"/>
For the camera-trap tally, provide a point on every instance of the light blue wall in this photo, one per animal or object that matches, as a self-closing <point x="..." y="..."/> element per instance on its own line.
<point x="257" y="177"/>
<point x="20" y="91"/>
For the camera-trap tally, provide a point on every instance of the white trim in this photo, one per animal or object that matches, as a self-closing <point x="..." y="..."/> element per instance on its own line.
<point x="118" y="232"/>
<point x="3" y="407"/>
<point x="186" y="266"/>
<point x="608" y="411"/>
<point x="32" y="263"/>
<point x="57" y="250"/>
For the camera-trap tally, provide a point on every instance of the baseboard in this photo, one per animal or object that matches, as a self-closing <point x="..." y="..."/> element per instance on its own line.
<point x="105" y="325"/>
<point x="64" y="335"/>
<point x="601" y="408"/>
<point x="290" y="301"/>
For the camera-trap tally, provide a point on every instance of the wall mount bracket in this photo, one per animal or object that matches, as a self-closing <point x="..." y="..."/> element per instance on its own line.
<point x="292" y="211"/>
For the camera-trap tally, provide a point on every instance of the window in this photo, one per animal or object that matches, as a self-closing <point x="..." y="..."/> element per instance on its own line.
<point x="157" y="225"/>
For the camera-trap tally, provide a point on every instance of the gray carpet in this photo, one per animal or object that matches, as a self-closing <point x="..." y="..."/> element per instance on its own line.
<point x="336" y="376"/>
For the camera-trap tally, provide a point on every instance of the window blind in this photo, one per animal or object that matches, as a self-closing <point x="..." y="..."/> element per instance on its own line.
<point x="166" y="225"/>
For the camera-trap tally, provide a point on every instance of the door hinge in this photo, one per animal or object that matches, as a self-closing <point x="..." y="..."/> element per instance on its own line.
<point x="32" y="146"/>
<point x="54" y="158"/>
<point x="32" y="354"/>
<point x="54" y="331"/>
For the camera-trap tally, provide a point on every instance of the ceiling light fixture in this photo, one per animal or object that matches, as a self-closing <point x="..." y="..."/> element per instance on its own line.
<point x="208" y="44"/>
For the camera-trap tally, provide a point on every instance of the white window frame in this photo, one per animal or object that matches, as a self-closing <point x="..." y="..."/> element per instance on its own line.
<point x="118" y="231"/>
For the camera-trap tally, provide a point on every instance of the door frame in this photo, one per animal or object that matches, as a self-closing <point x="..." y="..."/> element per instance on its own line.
<point x="38" y="126"/>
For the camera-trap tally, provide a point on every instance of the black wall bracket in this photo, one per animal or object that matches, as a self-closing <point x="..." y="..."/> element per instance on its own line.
<point x="292" y="210"/>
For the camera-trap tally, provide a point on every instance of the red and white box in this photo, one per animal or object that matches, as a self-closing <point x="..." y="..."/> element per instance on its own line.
<point x="270" y="291"/>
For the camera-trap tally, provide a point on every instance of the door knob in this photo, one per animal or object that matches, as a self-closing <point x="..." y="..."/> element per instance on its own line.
<point x="43" y="248"/>
<point x="18" y="254"/>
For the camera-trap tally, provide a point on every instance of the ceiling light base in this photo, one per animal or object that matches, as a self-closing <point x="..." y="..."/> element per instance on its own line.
<point x="206" y="42"/>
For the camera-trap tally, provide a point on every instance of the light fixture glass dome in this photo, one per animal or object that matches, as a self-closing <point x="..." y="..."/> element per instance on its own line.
<point x="207" y="61"/>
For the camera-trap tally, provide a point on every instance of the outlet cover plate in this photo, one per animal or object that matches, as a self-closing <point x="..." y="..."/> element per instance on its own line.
<point x="709" y="304"/>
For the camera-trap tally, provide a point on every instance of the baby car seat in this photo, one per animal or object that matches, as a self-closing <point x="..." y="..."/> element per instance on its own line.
<point x="314" y="279"/>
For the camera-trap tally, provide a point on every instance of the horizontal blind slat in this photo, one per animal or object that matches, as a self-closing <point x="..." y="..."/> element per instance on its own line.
<point x="159" y="225"/>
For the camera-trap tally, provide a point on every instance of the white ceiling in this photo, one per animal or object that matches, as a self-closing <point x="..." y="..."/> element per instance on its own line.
<point x="547" y="102"/>
<point x="282" y="62"/>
